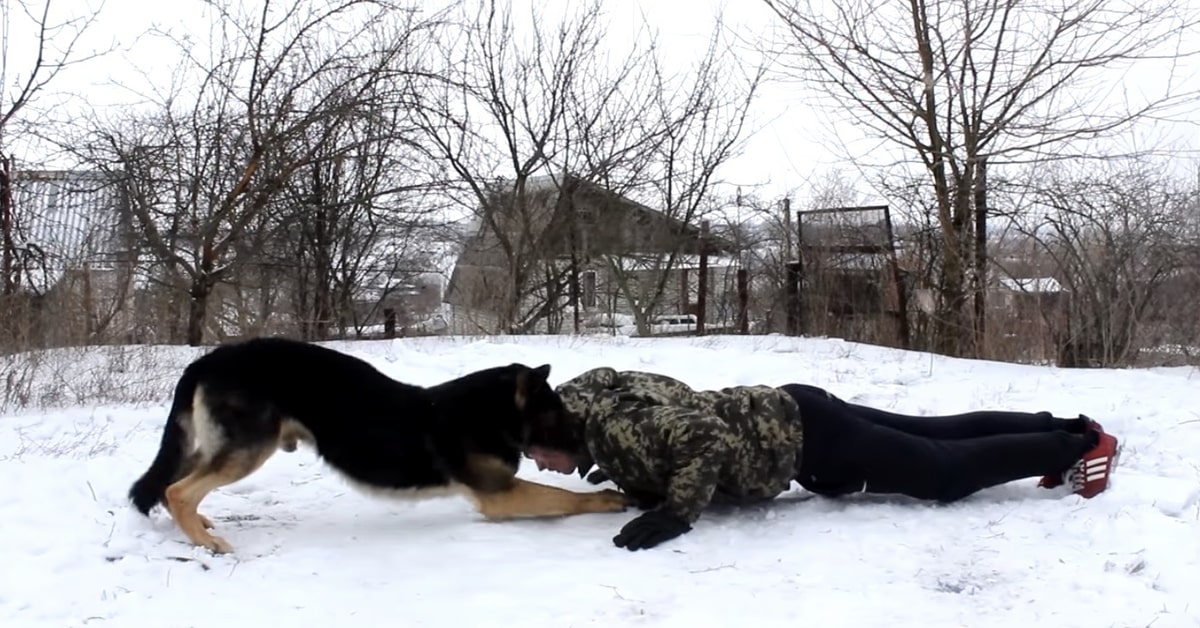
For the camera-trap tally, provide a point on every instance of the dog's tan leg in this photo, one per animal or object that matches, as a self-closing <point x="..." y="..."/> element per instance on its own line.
<point x="184" y="496"/>
<point x="523" y="499"/>
<point x="501" y="495"/>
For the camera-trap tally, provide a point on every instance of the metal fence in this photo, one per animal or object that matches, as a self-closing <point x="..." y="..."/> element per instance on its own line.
<point x="845" y="281"/>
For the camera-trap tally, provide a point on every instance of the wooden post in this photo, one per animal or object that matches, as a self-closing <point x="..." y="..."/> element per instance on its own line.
<point x="6" y="227"/>
<point x="389" y="322"/>
<point x="685" y="299"/>
<point x="743" y="294"/>
<point x="573" y="211"/>
<point x="702" y="280"/>
<point x="787" y="229"/>
<point x="793" y="277"/>
<point x="897" y="282"/>
<point x="791" y="297"/>
<point x="575" y="316"/>
<point x="88" y="303"/>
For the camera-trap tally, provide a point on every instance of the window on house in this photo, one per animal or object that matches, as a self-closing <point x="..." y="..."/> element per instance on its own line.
<point x="585" y="214"/>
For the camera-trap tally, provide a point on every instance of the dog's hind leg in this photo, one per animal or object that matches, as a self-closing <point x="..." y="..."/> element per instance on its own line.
<point x="184" y="497"/>
<point x="193" y="461"/>
<point x="500" y="495"/>
<point x="233" y="437"/>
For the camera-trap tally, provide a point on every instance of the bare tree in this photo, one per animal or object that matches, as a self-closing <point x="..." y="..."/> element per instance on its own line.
<point x="356" y="224"/>
<point x="755" y="229"/>
<point x="361" y="222"/>
<point x="607" y="136"/>
<point x="1118" y="236"/>
<point x="694" y="124"/>
<point x="270" y="94"/>
<point x="495" y="117"/>
<point x="962" y="83"/>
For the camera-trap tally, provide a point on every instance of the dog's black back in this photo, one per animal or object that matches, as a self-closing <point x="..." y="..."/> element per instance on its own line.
<point x="309" y="383"/>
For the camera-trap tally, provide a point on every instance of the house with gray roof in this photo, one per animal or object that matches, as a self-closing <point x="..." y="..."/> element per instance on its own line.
<point x="74" y="252"/>
<point x="574" y="231"/>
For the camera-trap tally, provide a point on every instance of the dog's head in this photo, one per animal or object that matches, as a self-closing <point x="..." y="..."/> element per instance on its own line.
<point x="518" y="400"/>
<point x="545" y="420"/>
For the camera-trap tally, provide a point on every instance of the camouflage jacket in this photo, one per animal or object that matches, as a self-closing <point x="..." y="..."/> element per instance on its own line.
<point x="654" y="435"/>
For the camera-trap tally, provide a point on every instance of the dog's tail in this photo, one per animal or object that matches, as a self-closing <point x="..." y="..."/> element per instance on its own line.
<point x="150" y="489"/>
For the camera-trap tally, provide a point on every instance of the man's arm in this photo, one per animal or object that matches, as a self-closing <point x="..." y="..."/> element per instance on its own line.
<point x="697" y="448"/>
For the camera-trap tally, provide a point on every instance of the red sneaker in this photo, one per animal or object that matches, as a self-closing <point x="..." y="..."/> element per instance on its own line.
<point x="1089" y="476"/>
<point x="1056" y="480"/>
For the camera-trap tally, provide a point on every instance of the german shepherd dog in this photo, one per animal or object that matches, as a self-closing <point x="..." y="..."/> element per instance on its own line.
<point x="236" y="405"/>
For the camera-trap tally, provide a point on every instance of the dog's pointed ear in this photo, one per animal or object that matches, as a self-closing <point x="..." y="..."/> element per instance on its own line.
<point x="527" y="378"/>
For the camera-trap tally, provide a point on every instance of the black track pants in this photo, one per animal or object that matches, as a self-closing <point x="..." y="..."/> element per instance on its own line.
<point x="850" y="448"/>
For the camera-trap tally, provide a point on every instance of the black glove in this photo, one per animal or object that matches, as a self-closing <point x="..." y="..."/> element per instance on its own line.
<point x="650" y="529"/>
<point x="597" y="477"/>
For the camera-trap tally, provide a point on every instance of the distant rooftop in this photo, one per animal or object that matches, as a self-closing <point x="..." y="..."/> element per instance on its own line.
<point x="66" y="218"/>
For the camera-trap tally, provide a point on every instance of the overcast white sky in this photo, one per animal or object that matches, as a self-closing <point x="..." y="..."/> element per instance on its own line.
<point x="791" y="145"/>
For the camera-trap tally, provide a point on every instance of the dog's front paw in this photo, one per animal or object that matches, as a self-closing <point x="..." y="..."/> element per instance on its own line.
<point x="609" y="500"/>
<point x="217" y="545"/>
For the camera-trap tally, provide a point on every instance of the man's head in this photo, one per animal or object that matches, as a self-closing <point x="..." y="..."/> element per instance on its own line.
<point x="553" y="433"/>
<point x="552" y="459"/>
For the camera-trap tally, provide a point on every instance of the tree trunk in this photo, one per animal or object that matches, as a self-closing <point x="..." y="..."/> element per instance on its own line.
<point x="981" y="259"/>
<point x="198" y="310"/>
<point x="322" y="297"/>
<point x="950" y="328"/>
<point x="322" y="241"/>
<point x="515" y="289"/>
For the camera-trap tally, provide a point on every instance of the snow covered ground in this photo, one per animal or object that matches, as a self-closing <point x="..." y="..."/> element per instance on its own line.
<point x="312" y="552"/>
